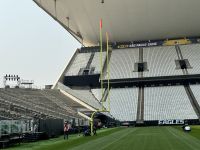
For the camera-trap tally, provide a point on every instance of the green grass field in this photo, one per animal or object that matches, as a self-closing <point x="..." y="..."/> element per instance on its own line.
<point x="143" y="138"/>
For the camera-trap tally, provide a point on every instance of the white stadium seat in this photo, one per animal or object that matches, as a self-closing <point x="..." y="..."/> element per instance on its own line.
<point x="122" y="63"/>
<point x="170" y="102"/>
<point x="192" y="53"/>
<point x="161" y="61"/>
<point x="123" y="103"/>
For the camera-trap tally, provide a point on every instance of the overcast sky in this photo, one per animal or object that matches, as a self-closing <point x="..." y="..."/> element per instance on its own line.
<point x="32" y="44"/>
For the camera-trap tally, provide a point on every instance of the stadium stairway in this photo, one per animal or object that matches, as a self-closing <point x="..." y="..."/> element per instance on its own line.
<point x="193" y="100"/>
<point x="90" y="61"/>
<point x="140" y="74"/>
<point x="105" y="64"/>
<point x="180" y="57"/>
<point x="178" y="51"/>
<point x="188" y="90"/>
<point x="105" y="95"/>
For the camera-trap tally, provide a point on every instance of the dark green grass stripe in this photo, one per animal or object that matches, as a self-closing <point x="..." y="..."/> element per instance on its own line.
<point x="155" y="138"/>
<point x="60" y="144"/>
<point x="143" y="138"/>
<point x="104" y="142"/>
<point x="80" y="141"/>
<point x="195" y="130"/>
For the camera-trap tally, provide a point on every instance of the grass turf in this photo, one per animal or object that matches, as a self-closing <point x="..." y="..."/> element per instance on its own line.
<point x="195" y="130"/>
<point x="143" y="138"/>
<point x="60" y="143"/>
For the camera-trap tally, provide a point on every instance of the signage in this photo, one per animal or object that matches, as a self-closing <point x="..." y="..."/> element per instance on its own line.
<point x="168" y="42"/>
<point x="170" y="122"/>
<point x="135" y="45"/>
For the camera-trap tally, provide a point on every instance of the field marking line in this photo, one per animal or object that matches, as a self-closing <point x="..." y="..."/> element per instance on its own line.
<point x="118" y="139"/>
<point x="167" y="139"/>
<point x="93" y="144"/>
<point x="150" y="134"/>
<point x="188" y="136"/>
<point x="183" y="138"/>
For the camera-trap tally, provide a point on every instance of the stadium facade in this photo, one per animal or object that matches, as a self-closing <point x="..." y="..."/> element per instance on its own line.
<point x="153" y="58"/>
<point x="149" y="74"/>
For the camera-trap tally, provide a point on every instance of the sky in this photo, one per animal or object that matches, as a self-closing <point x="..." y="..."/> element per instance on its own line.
<point x="32" y="44"/>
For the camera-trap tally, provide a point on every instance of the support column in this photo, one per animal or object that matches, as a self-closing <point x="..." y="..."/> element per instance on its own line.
<point x="180" y="57"/>
<point x="140" y="107"/>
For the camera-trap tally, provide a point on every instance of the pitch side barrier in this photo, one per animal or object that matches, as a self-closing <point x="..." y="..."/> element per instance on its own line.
<point x="171" y="122"/>
<point x="168" y="122"/>
<point x="154" y="81"/>
<point x="7" y="140"/>
<point x="93" y="81"/>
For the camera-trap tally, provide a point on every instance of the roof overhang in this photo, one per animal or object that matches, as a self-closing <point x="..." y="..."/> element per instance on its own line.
<point x="125" y="20"/>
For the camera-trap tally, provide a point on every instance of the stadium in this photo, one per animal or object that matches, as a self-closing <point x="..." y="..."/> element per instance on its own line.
<point x="136" y="80"/>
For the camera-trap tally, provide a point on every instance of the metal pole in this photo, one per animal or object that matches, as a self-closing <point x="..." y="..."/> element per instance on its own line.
<point x="101" y="63"/>
<point x="92" y="123"/>
<point x="108" y="72"/>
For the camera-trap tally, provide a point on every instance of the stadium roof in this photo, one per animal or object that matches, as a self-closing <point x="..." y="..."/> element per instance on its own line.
<point x="125" y="20"/>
